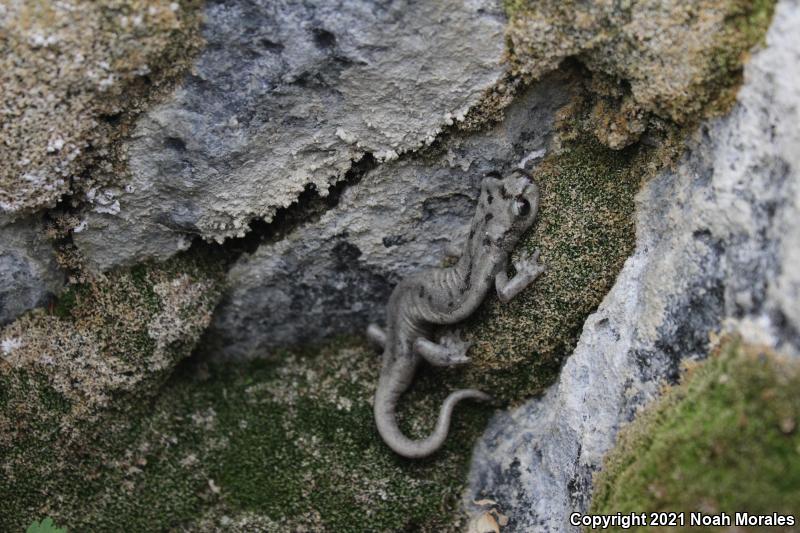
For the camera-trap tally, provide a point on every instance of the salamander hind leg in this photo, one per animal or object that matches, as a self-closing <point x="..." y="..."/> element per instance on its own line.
<point x="376" y="335"/>
<point x="450" y="351"/>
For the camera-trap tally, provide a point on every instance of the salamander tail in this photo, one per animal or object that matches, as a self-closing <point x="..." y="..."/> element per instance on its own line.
<point x="413" y="449"/>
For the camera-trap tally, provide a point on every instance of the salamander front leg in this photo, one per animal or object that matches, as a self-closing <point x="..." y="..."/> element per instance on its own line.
<point x="451" y="351"/>
<point x="528" y="269"/>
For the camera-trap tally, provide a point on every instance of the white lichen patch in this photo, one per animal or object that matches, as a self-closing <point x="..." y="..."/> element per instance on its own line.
<point x="243" y="522"/>
<point x="103" y="201"/>
<point x="178" y="318"/>
<point x="10" y="344"/>
<point x="205" y="419"/>
<point x="339" y="379"/>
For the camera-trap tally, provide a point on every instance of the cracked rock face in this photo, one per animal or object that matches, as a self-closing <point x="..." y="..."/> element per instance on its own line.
<point x="717" y="248"/>
<point x="29" y="274"/>
<point x="335" y="275"/>
<point x="284" y="97"/>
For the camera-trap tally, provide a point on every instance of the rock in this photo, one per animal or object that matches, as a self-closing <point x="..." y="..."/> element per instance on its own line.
<point x="334" y="275"/>
<point x="29" y="273"/>
<point x="284" y="98"/>
<point x="717" y="248"/>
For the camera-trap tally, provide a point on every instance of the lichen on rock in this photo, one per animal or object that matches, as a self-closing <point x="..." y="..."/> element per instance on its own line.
<point x="70" y="72"/>
<point x="680" y="59"/>
<point x="284" y="98"/>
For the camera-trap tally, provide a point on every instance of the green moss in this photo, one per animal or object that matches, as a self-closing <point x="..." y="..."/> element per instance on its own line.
<point x="66" y="303"/>
<point x="50" y="399"/>
<point x="308" y="454"/>
<point x="746" y="25"/>
<point x="725" y="440"/>
<point x="515" y="7"/>
<point x="29" y="421"/>
<point x="286" y="444"/>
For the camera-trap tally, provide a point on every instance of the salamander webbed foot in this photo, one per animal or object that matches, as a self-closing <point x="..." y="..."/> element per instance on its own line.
<point x="528" y="269"/>
<point x="450" y="351"/>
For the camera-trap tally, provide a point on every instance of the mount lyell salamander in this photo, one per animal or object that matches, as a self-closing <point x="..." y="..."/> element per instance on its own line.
<point x="506" y="208"/>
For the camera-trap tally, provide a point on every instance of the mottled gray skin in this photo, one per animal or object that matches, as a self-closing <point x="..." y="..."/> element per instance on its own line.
<point x="506" y="209"/>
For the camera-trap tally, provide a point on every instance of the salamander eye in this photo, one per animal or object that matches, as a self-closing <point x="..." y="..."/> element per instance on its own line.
<point x="521" y="207"/>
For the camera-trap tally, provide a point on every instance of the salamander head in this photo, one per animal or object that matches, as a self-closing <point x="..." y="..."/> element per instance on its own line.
<point x="507" y="208"/>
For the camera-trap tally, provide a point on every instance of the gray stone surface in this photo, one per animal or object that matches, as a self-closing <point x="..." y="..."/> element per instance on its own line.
<point x="334" y="275"/>
<point x="285" y="96"/>
<point x="29" y="274"/>
<point x="718" y="248"/>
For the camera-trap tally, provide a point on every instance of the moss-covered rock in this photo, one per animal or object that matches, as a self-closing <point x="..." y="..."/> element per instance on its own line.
<point x="277" y="445"/>
<point x="90" y="435"/>
<point x="74" y="379"/>
<point x="74" y="73"/>
<point x="725" y="440"/>
<point x="681" y="60"/>
<point x="290" y="442"/>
